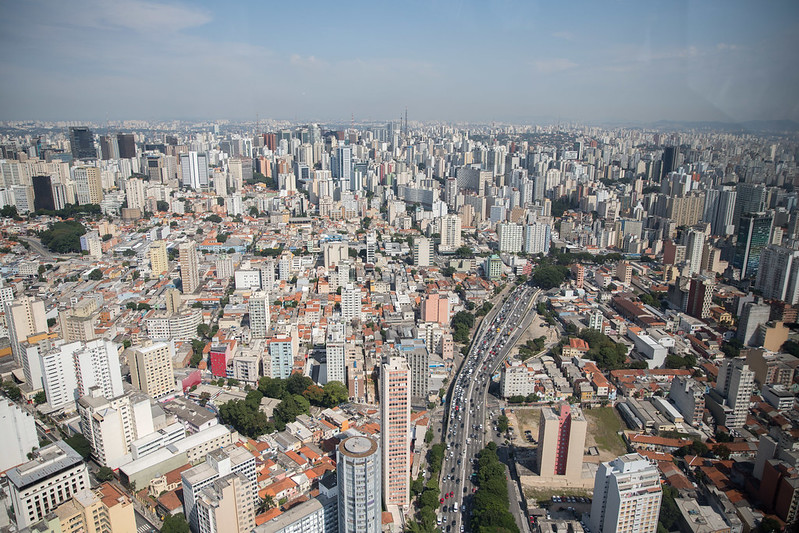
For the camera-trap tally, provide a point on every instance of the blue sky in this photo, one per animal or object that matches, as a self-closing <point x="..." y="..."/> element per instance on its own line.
<point x="522" y="61"/>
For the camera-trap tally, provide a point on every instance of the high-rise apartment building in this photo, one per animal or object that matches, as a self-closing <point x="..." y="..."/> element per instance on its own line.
<point x="151" y="369"/>
<point x="627" y="496"/>
<point x="416" y="353"/>
<point x="97" y="365"/>
<point x="700" y="296"/>
<point x="693" y="250"/>
<point x="730" y="400"/>
<point x="19" y="434"/>
<point x="24" y="317"/>
<point x="159" y="259"/>
<point x="537" y="238"/>
<point x="753" y="314"/>
<point x="351" y="302"/>
<point x="335" y="353"/>
<point x="688" y="396"/>
<point x="450" y="232"/>
<point x="422" y="251"/>
<point x="226" y="505"/>
<point x="281" y="356"/>
<point x="194" y="170"/>
<point x="561" y="442"/>
<point x="754" y="232"/>
<point x="218" y="465"/>
<point x="358" y="472"/>
<point x="81" y="142"/>
<point x="135" y="193"/>
<point x="104" y="509"/>
<point x="510" y="237"/>
<point x="778" y="274"/>
<point x="189" y="266"/>
<point x="88" y="185"/>
<point x="52" y="477"/>
<point x="395" y="431"/>
<point x="624" y="272"/>
<point x="258" y="308"/>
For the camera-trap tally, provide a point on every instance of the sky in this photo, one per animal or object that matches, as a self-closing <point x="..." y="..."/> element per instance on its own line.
<point x="523" y="61"/>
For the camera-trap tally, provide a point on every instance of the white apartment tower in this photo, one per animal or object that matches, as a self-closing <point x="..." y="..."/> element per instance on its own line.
<point x="151" y="369"/>
<point x="422" y="251"/>
<point x="335" y="353"/>
<point x="351" y="302"/>
<point x="25" y="317"/>
<point x="627" y="496"/>
<point x="258" y="307"/>
<point x="395" y="430"/>
<point x="510" y="237"/>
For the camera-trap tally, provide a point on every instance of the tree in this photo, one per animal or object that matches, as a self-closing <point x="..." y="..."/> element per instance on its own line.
<point x="549" y="276"/>
<point x="79" y="443"/>
<point x="11" y="390"/>
<point x="502" y="424"/>
<point x="96" y="274"/>
<point x="63" y="237"/>
<point x="175" y="524"/>
<point x="721" y="451"/>
<point x="40" y="398"/>
<point x="428" y="436"/>
<point x="105" y="474"/>
<point x="335" y="393"/>
<point x="213" y="218"/>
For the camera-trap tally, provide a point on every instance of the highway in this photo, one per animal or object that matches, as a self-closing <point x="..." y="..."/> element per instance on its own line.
<point x="466" y="417"/>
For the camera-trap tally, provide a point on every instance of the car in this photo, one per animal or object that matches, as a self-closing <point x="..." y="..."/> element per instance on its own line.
<point x="445" y="496"/>
<point x="451" y="493"/>
<point x="442" y="501"/>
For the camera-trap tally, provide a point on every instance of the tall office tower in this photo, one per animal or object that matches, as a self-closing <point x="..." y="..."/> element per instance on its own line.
<point x="754" y="232"/>
<point x="395" y="430"/>
<point x="669" y="161"/>
<point x="750" y="198"/>
<point x="189" y="266"/>
<point x="358" y="479"/>
<point x="159" y="259"/>
<point x="281" y="356"/>
<point x="335" y="353"/>
<point x="194" y="170"/>
<point x="700" y="297"/>
<point x="627" y="496"/>
<point x="342" y="165"/>
<point x="510" y="237"/>
<point x="258" y="308"/>
<point x="351" y="302"/>
<point x="88" y="185"/>
<point x="126" y="144"/>
<point x="561" y="442"/>
<point x="111" y="425"/>
<point x="537" y="238"/>
<point x="753" y="314"/>
<point x="720" y="210"/>
<point x="450" y="232"/>
<point x="24" y="317"/>
<point x="134" y="193"/>
<point x="109" y="149"/>
<point x="693" y="251"/>
<point x="81" y="141"/>
<point x="43" y="193"/>
<point x="778" y="274"/>
<point x="54" y="475"/>
<point x="729" y="401"/>
<point x="97" y="365"/>
<point x="422" y="251"/>
<point x="19" y="434"/>
<point x="227" y="504"/>
<point x="218" y="464"/>
<point x="151" y="369"/>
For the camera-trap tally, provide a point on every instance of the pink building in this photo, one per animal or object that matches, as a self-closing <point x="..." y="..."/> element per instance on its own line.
<point x="436" y="309"/>
<point x="395" y="431"/>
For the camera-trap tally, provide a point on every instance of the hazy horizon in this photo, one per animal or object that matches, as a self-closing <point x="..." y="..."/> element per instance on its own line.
<point x="512" y="62"/>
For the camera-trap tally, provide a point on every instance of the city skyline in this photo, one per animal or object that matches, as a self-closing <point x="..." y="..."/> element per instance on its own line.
<point x="447" y="61"/>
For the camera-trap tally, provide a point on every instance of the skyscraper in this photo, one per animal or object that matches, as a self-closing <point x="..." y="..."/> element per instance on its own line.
<point x="194" y="170"/>
<point x="627" y="496"/>
<point x="750" y="198"/>
<point x="88" y="185"/>
<point x="754" y="232"/>
<point x="669" y="161"/>
<point x="151" y="369"/>
<point x="189" y="267"/>
<point x="351" y="302"/>
<point x="450" y="232"/>
<point x="334" y="353"/>
<point x="510" y="237"/>
<point x="81" y="141"/>
<point x="395" y="431"/>
<point x="422" y="251"/>
<point x="693" y="250"/>
<point x="358" y="471"/>
<point x="561" y="442"/>
<point x="258" y="307"/>
<point x="729" y="402"/>
<point x="159" y="259"/>
<point x="127" y="145"/>
<point x="43" y="193"/>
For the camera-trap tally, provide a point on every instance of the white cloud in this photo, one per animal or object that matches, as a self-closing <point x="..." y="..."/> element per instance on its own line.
<point x="556" y="64"/>
<point x="567" y="35"/>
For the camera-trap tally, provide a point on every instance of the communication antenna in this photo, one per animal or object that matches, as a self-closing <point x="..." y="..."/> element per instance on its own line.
<point x="406" y="121"/>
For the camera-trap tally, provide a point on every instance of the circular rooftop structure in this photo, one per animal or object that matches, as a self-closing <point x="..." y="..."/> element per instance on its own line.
<point x="358" y="446"/>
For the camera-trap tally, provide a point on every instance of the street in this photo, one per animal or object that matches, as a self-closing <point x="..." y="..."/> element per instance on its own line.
<point x="468" y="419"/>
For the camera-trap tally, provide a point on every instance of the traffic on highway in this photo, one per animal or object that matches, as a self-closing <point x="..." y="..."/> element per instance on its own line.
<point x="466" y="422"/>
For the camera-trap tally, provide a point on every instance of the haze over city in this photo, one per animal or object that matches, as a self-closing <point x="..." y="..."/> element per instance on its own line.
<point x="461" y="61"/>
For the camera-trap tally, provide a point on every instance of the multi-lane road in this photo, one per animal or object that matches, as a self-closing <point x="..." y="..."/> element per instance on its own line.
<point x="467" y="419"/>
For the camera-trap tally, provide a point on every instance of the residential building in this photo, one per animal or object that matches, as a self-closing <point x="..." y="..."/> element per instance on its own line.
<point x="510" y="237"/>
<point x="561" y="442"/>
<point x="88" y="185"/>
<point x="226" y="505"/>
<point x="358" y="471"/>
<point x="260" y="318"/>
<point x="281" y="353"/>
<point x="151" y="369"/>
<point x="627" y="496"/>
<point x="778" y="275"/>
<point x="688" y="396"/>
<point x="19" y="438"/>
<point x="351" y="302"/>
<point x="189" y="267"/>
<point x="159" y="259"/>
<point x="25" y="317"/>
<point x="752" y="316"/>
<point x="422" y="251"/>
<point x="395" y="432"/>
<point x="335" y="354"/>
<point x="730" y="400"/>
